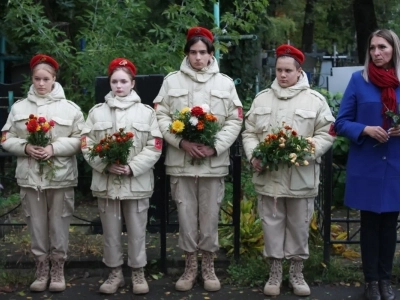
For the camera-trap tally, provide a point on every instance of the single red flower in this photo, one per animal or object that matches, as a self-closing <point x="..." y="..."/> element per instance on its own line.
<point x="51" y="123"/>
<point x="197" y="111"/>
<point x="41" y="120"/>
<point x="294" y="133"/>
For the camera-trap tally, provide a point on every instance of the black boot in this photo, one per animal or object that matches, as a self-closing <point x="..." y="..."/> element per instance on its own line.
<point x="385" y="287"/>
<point x="372" y="291"/>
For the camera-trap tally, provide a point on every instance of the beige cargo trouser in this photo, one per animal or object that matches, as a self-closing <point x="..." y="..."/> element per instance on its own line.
<point x="198" y="200"/>
<point x="286" y="233"/>
<point x="48" y="219"/>
<point x="135" y="215"/>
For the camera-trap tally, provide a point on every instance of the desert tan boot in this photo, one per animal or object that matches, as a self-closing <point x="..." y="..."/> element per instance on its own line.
<point x="186" y="281"/>
<point x="115" y="280"/>
<point x="139" y="282"/>
<point x="211" y="282"/>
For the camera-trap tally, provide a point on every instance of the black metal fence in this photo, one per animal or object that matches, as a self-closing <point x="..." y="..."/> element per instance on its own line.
<point x="162" y="209"/>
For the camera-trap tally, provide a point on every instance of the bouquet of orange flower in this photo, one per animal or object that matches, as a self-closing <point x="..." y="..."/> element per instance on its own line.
<point x="113" y="148"/>
<point x="196" y="125"/>
<point x="284" y="147"/>
<point x="38" y="129"/>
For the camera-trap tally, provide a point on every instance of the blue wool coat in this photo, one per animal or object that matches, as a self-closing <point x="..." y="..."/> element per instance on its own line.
<point x="372" y="173"/>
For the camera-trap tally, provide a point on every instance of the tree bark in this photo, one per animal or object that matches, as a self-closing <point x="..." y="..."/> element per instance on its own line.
<point x="308" y="26"/>
<point x="365" y="23"/>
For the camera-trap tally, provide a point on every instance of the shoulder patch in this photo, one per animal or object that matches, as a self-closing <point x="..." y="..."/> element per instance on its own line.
<point x="74" y="104"/>
<point x="171" y="73"/>
<point x="97" y="105"/>
<point x="262" y="92"/>
<point x="318" y="95"/>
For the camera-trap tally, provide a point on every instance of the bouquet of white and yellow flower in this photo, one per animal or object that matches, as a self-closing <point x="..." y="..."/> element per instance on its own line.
<point x="196" y="125"/>
<point x="284" y="147"/>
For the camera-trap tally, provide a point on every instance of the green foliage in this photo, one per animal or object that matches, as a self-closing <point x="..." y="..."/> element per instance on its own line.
<point x="251" y="234"/>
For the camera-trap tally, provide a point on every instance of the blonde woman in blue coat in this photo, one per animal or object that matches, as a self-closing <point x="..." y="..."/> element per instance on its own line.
<point x="373" y="167"/>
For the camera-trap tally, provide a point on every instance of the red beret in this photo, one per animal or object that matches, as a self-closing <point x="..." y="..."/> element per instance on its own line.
<point x="121" y="62"/>
<point x="42" y="58"/>
<point x="199" y="31"/>
<point x="287" y="50"/>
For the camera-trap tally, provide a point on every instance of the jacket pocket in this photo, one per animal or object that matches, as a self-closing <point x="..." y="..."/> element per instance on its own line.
<point x="219" y="105"/>
<point x="100" y="182"/>
<point x="143" y="183"/>
<point x="66" y="168"/>
<point x="100" y="129"/>
<point x="175" y="157"/>
<point x="141" y="133"/>
<point x="63" y="127"/>
<point x="262" y="119"/>
<point x="24" y="164"/>
<point x="68" y="205"/>
<point x="302" y="178"/>
<point x="179" y="99"/>
<point x="19" y="121"/>
<point x="304" y="122"/>
<point x="220" y="160"/>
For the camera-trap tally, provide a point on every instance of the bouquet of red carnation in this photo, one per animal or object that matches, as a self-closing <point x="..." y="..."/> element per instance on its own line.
<point x="114" y="148"/>
<point x="38" y="129"/>
<point x="196" y="125"/>
<point x="284" y="147"/>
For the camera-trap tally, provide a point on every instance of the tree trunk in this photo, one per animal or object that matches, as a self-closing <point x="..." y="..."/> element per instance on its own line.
<point x="308" y="26"/>
<point x="365" y="23"/>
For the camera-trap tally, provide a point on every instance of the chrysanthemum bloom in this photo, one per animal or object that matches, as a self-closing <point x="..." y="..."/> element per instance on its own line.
<point x="46" y="127"/>
<point x="200" y="125"/>
<point x="294" y="133"/>
<point x="41" y="120"/>
<point x="205" y="107"/>
<point x="197" y="111"/>
<point x="178" y="126"/>
<point x="193" y="121"/>
<point x="305" y="163"/>
<point x="184" y="110"/>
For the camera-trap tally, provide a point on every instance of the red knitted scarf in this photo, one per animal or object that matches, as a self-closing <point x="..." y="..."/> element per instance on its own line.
<point x="388" y="82"/>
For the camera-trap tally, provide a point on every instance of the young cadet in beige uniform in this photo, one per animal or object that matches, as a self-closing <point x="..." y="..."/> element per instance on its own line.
<point x="129" y="196"/>
<point x="286" y="197"/>
<point x="199" y="189"/>
<point x="48" y="204"/>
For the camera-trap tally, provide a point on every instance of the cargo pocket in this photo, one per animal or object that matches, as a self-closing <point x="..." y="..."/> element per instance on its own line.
<point x="262" y="119"/>
<point x="304" y="122"/>
<point x="179" y="98"/>
<point x="63" y="127"/>
<point x="219" y="102"/>
<point x="221" y="190"/>
<point x="302" y="177"/>
<point x="174" y="181"/>
<point x="101" y="205"/>
<point x="68" y="207"/>
<point x="24" y="204"/>
<point x="143" y="205"/>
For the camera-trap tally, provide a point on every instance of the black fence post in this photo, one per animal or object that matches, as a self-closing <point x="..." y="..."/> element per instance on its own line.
<point x="237" y="191"/>
<point x="327" y="194"/>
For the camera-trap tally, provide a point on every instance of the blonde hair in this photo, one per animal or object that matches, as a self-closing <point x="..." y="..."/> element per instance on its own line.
<point x="394" y="41"/>
<point x="46" y="67"/>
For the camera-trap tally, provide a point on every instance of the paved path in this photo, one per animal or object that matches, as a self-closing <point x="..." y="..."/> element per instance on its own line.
<point x="163" y="289"/>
